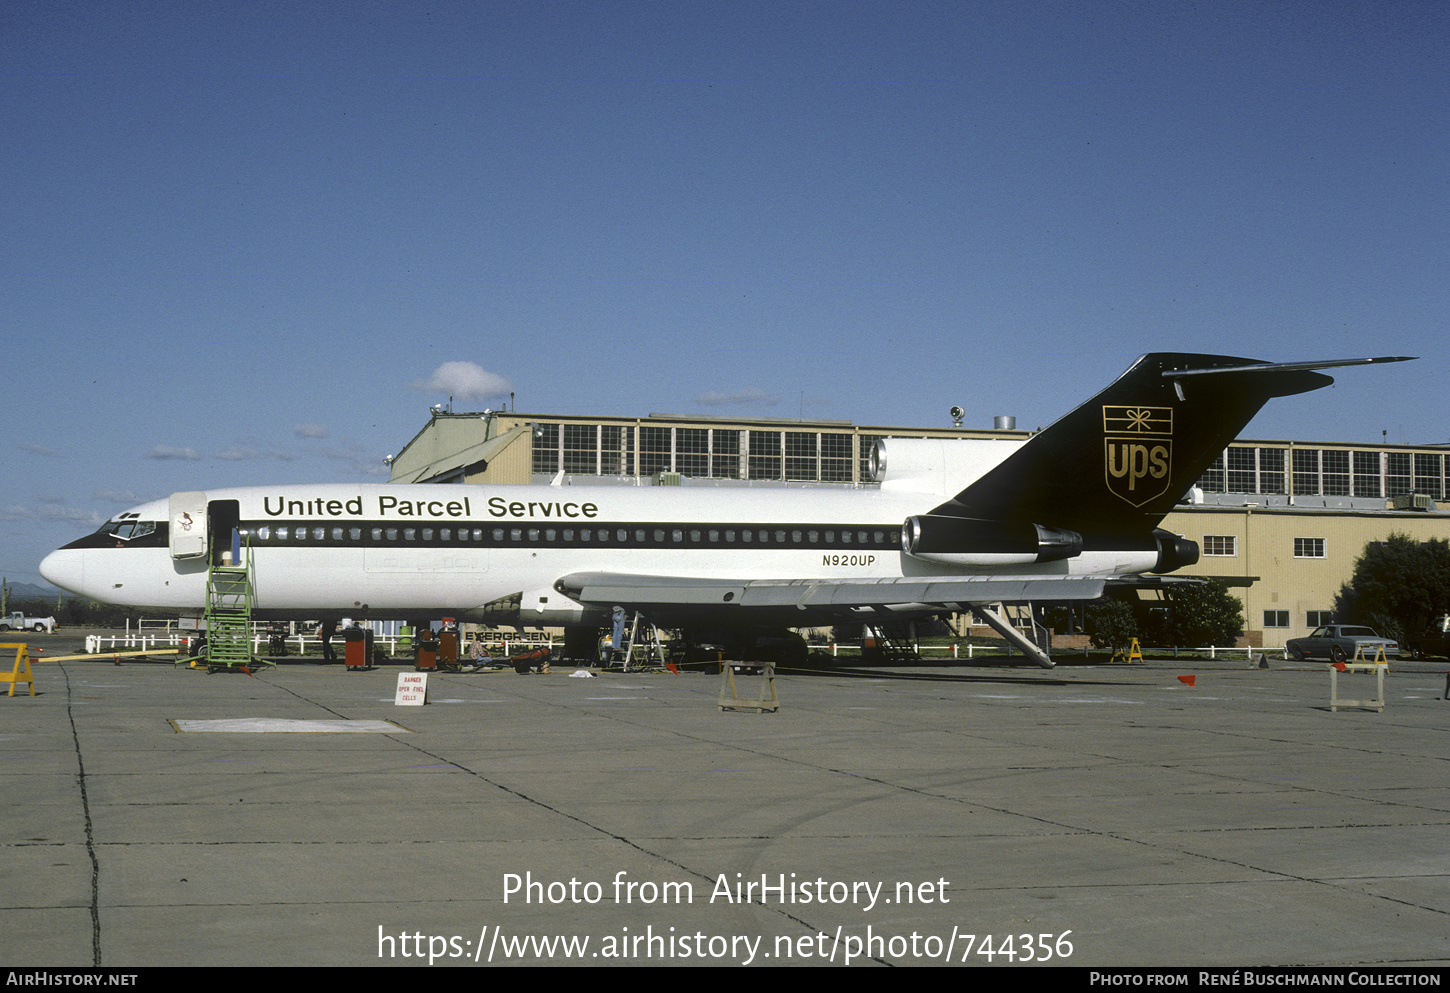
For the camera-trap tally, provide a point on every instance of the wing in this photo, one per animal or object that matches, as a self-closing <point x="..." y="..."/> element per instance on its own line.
<point x="838" y="598"/>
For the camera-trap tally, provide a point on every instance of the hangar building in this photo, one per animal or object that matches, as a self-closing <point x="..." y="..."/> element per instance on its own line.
<point x="1282" y="520"/>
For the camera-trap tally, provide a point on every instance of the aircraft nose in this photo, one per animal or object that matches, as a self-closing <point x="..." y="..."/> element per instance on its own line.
<point x="66" y="568"/>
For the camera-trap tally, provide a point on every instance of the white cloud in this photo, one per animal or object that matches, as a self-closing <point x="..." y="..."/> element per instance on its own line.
<point x="240" y="453"/>
<point x="745" y="395"/>
<point x="463" y="381"/>
<point x="310" y="430"/>
<point x="169" y="452"/>
<point x="51" y="512"/>
<point x="126" y="497"/>
<point x="37" y="449"/>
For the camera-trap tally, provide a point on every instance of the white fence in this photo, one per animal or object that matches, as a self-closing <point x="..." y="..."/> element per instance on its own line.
<point x="297" y="644"/>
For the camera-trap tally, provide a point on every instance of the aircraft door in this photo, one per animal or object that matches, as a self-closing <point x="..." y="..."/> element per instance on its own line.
<point x="187" y="532"/>
<point x="223" y="516"/>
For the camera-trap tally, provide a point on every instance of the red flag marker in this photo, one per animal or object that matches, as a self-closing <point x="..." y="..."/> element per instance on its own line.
<point x="1187" y="680"/>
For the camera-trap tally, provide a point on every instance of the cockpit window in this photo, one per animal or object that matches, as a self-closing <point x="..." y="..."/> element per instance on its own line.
<point x="126" y="530"/>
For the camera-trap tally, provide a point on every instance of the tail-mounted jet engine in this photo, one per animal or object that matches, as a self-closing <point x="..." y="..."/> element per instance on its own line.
<point x="1174" y="552"/>
<point x="963" y="541"/>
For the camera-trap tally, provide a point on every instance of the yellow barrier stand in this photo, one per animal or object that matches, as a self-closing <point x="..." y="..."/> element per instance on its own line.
<point x="1379" y="656"/>
<point x="22" y="662"/>
<point x="1133" y="654"/>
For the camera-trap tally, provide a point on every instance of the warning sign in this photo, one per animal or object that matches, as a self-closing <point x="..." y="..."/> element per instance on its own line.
<point x="412" y="689"/>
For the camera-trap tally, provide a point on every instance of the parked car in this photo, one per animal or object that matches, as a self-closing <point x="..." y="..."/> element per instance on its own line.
<point x="1338" y="642"/>
<point x="1434" y="640"/>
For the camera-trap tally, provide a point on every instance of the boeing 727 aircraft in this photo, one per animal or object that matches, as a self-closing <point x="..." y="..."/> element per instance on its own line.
<point x="954" y="525"/>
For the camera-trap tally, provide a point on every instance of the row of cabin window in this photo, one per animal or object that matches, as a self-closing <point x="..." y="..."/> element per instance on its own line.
<point x="619" y="535"/>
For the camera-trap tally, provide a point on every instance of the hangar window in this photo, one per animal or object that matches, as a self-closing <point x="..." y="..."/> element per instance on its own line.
<point x="1367" y="474"/>
<point x="765" y="457"/>
<point x="1271" y="470"/>
<point x="692" y="451"/>
<point x="581" y="448"/>
<point x="1428" y="478"/>
<point x="1212" y="479"/>
<point x="616" y="450"/>
<point x="1306" y="471"/>
<point x="1220" y="544"/>
<point x="655" y="450"/>
<point x="1276" y="618"/>
<point x="864" y="444"/>
<point x="800" y="455"/>
<point x="546" y="449"/>
<point x="1336" y="473"/>
<point x="1242" y="470"/>
<point x="1309" y="548"/>
<point x="725" y="454"/>
<point x="1397" y="474"/>
<point x="836" y="458"/>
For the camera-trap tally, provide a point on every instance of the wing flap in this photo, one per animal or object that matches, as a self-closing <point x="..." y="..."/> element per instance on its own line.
<point x="646" y="592"/>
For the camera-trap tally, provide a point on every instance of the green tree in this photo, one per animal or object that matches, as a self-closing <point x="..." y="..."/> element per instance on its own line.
<point x="1202" y="614"/>
<point x="1399" y="585"/>
<point x="1111" y="623"/>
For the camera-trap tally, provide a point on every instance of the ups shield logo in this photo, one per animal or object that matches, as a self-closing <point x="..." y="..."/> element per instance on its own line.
<point x="1137" y="452"/>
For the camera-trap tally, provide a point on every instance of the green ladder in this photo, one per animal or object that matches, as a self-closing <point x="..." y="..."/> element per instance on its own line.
<point x="229" y="614"/>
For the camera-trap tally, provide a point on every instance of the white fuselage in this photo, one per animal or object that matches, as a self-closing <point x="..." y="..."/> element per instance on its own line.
<point x="423" y="550"/>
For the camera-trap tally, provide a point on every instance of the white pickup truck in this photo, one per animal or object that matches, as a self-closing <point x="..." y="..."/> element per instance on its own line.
<point x="19" y="622"/>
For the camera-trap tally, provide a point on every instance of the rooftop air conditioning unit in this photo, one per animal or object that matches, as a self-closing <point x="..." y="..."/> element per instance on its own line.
<point x="1413" y="501"/>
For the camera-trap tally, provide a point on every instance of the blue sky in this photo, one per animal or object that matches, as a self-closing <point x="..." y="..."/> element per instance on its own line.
<point x="242" y="239"/>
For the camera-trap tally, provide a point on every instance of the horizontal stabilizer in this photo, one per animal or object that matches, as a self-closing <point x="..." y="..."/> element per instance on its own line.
<point x="1286" y="366"/>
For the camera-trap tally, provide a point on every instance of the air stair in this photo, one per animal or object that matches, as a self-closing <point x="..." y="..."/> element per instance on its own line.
<point x="894" y="642"/>
<point x="1023" y="617"/>
<point x="229" y="615"/>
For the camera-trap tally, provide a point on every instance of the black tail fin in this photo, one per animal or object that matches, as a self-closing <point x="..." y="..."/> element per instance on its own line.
<point x="1118" y="463"/>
